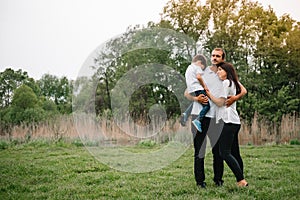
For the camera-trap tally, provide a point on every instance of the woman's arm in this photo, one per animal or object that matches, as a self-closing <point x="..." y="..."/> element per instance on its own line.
<point x="231" y="99"/>
<point x="218" y="101"/>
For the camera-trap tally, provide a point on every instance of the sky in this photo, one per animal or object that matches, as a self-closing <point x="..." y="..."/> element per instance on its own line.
<point x="57" y="36"/>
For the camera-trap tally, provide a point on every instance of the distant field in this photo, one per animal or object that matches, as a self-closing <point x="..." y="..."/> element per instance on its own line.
<point x="40" y="170"/>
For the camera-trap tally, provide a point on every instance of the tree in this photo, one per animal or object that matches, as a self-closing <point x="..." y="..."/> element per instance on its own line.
<point x="58" y="90"/>
<point x="261" y="46"/>
<point x="24" y="98"/>
<point x="186" y="16"/>
<point x="25" y="106"/>
<point x="142" y="48"/>
<point x="9" y="81"/>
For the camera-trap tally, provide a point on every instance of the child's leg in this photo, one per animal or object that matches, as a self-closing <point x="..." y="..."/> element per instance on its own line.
<point x="205" y="107"/>
<point x="189" y="110"/>
<point x="184" y="116"/>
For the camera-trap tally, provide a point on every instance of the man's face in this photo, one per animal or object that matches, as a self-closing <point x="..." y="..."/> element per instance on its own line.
<point x="216" y="57"/>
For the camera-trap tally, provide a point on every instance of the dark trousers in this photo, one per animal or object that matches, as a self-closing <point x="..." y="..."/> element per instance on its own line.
<point x="212" y="130"/>
<point x="230" y="151"/>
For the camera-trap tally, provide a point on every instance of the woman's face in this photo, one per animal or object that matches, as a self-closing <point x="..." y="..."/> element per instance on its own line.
<point x="222" y="73"/>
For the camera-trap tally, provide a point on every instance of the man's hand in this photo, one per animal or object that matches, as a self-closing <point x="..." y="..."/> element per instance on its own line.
<point x="202" y="99"/>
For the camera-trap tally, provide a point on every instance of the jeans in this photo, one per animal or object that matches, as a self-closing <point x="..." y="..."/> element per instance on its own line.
<point x="205" y="107"/>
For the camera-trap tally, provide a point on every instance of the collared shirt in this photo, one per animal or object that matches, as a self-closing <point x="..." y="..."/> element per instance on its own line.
<point x="191" y="78"/>
<point x="228" y="114"/>
<point x="216" y="88"/>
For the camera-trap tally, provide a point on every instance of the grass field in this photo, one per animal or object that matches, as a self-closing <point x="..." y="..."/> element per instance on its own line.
<point x="43" y="170"/>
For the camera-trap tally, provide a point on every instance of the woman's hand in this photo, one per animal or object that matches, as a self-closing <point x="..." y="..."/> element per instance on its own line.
<point x="230" y="100"/>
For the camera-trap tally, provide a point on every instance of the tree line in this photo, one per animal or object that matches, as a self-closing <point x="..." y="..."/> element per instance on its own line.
<point x="263" y="47"/>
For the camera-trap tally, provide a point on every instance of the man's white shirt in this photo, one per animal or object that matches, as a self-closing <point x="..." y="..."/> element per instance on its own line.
<point x="215" y="87"/>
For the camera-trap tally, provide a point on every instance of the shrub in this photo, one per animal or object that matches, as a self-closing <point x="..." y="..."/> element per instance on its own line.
<point x="295" y="142"/>
<point x="147" y="143"/>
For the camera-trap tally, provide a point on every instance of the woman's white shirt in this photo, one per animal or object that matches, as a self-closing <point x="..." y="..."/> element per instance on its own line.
<point x="228" y="114"/>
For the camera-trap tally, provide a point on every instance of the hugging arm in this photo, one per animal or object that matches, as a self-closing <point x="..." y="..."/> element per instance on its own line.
<point x="231" y="99"/>
<point x="218" y="101"/>
<point x="201" y="98"/>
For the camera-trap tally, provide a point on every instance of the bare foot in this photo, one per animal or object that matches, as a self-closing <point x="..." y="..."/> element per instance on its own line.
<point x="242" y="183"/>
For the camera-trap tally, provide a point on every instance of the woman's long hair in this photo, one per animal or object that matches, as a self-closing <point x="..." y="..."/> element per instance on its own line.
<point x="231" y="75"/>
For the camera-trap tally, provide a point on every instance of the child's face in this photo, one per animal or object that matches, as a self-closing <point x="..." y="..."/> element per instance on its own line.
<point x="199" y="63"/>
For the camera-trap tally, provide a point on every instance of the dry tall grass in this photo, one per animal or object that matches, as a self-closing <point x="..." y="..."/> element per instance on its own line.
<point x="89" y="129"/>
<point x="262" y="131"/>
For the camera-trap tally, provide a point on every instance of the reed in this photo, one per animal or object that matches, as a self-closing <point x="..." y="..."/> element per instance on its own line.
<point x="87" y="128"/>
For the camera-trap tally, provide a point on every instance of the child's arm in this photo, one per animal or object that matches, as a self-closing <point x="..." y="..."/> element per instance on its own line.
<point x="200" y="79"/>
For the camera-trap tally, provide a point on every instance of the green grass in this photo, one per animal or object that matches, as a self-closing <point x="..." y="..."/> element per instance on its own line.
<point x="45" y="170"/>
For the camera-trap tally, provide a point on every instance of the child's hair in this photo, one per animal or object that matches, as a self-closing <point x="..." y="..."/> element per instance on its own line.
<point x="200" y="57"/>
<point x="231" y="75"/>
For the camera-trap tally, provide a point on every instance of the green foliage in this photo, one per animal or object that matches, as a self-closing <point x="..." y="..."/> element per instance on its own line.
<point x="147" y="143"/>
<point x="139" y="49"/>
<point x="185" y="16"/>
<point x="83" y="91"/>
<point x="58" y="90"/>
<point x="25" y="107"/>
<point x="295" y="142"/>
<point x="263" y="47"/>
<point x="78" y="143"/>
<point x="3" y="144"/>
<point x="24" y="98"/>
<point x="9" y="81"/>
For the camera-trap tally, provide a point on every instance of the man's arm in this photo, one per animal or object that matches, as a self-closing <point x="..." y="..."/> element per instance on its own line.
<point x="231" y="99"/>
<point x="189" y="96"/>
<point x="201" y="98"/>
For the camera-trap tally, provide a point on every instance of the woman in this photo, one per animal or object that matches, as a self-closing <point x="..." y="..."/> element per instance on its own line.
<point x="228" y="141"/>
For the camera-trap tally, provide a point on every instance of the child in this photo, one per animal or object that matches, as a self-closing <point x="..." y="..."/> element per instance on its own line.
<point x="196" y="86"/>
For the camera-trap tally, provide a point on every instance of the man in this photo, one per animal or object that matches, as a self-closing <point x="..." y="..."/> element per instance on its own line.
<point x="209" y="126"/>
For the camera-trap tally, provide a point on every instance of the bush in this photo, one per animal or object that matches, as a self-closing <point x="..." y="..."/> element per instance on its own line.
<point x="295" y="142"/>
<point x="78" y="143"/>
<point x="147" y="143"/>
<point x="3" y="144"/>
